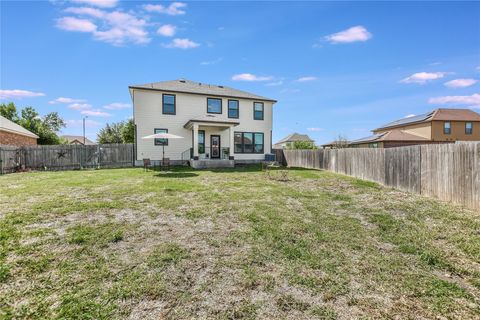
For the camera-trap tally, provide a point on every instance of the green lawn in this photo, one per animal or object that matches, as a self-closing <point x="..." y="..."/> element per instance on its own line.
<point x="230" y="244"/>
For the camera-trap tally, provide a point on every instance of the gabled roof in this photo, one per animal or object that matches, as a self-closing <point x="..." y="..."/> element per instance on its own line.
<point x="440" y="114"/>
<point x="71" y="139"/>
<point x="187" y="86"/>
<point x="10" y="126"/>
<point x="295" y="137"/>
<point x="455" y="115"/>
<point x="392" y="135"/>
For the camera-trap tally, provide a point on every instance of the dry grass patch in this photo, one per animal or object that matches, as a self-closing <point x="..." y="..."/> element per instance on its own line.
<point x="230" y="244"/>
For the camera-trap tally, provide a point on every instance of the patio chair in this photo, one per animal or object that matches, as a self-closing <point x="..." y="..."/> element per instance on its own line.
<point x="166" y="163"/>
<point x="146" y="164"/>
<point x="267" y="166"/>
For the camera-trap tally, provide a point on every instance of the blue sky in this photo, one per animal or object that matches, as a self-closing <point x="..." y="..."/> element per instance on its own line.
<point x="335" y="68"/>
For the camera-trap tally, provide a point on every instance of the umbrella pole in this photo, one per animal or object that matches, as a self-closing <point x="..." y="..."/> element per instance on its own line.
<point x="163" y="150"/>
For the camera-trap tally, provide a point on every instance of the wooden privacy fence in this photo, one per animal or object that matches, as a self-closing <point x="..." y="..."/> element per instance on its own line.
<point x="65" y="157"/>
<point x="449" y="172"/>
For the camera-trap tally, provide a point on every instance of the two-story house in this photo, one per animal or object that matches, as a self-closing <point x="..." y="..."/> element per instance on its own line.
<point x="437" y="126"/>
<point x="220" y="126"/>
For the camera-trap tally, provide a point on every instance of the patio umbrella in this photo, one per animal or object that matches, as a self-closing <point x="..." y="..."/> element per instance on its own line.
<point x="162" y="136"/>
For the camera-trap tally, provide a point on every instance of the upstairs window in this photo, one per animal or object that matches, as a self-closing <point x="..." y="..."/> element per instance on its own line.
<point x="233" y="109"/>
<point x="161" y="142"/>
<point x="168" y="105"/>
<point x="214" y="105"/>
<point x="258" y="111"/>
<point x="447" y="127"/>
<point x="468" y="128"/>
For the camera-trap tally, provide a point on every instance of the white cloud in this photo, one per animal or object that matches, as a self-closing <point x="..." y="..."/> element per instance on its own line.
<point x="315" y="129"/>
<point x="250" y="77"/>
<point x="117" y="105"/>
<point x="410" y="115"/>
<point x="79" y="123"/>
<point x="75" y="24"/>
<point x="275" y="83"/>
<point x="167" y="30"/>
<point x="460" y="83"/>
<point x="116" y="27"/>
<point x="98" y="3"/>
<point x="353" y="34"/>
<point x="66" y="100"/>
<point x="173" y="9"/>
<point x="423" y="77"/>
<point x="19" y="94"/>
<point x="306" y="79"/>
<point x="472" y="101"/>
<point x="79" y="106"/>
<point x="95" y="113"/>
<point x="206" y="63"/>
<point x="124" y="27"/>
<point x="96" y="13"/>
<point x="182" y="44"/>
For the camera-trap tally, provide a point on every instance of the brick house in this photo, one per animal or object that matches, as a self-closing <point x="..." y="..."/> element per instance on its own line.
<point x="14" y="134"/>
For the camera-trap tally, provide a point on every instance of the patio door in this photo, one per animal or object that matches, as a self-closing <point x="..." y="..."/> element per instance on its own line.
<point x="215" y="146"/>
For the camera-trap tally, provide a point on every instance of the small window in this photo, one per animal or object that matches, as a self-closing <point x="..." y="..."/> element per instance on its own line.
<point x="373" y="145"/>
<point x="201" y="141"/>
<point x="468" y="128"/>
<point x="233" y="109"/>
<point x="161" y="142"/>
<point x="258" y="110"/>
<point x="447" y="127"/>
<point x="168" y="105"/>
<point x="214" y="105"/>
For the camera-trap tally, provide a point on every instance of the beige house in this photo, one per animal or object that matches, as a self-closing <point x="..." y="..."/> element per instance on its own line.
<point x="437" y="126"/>
<point x="79" y="140"/>
<point x="220" y="126"/>
<point x="290" y="139"/>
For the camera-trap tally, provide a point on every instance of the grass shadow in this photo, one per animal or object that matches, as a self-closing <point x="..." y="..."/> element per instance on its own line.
<point x="180" y="174"/>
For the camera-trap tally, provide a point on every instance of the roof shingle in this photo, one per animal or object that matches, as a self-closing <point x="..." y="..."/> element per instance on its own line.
<point x="187" y="86"/>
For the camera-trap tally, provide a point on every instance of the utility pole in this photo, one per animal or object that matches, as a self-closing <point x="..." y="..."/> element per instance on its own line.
<point x="84" y="129"/>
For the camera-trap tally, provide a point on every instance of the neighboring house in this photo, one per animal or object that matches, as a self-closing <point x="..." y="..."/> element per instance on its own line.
<point x="437" y="126"/>
<point x="14" y="134"/>
<point x="221" y="126"/>
<point x="290" y="139"/>
<point x="78" y="140"/>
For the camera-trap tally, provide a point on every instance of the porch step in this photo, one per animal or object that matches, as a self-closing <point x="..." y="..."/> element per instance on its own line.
<point x="210" y="164"/>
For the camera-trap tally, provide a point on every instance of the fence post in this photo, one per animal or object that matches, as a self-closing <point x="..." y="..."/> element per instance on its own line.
<point x="2" y="155"/>
<point x="99" y="156"/>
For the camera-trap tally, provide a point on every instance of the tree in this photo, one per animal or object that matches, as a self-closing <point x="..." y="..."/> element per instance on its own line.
<point x="128" y="132"/>
<point x="302" y="145"/>
<point x="45" y="128"/>
<point x="340" y="142"/>
<point x="117" y="132"/>
<point x="9" y="111"/>
<point x="112" y="133"/>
